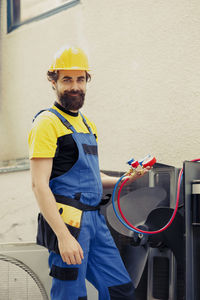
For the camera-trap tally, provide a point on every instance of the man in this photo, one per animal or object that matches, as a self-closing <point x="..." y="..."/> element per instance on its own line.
<point x="68" y="187"/>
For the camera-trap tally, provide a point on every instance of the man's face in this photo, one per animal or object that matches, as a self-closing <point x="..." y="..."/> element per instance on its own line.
<point x="70" y="88"/>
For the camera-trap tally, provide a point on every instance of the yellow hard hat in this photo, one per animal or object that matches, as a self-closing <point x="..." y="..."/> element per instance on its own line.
<point x="70" y="58"/>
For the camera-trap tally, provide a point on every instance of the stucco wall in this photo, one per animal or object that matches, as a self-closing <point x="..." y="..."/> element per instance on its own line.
<point x="144" y="94"/>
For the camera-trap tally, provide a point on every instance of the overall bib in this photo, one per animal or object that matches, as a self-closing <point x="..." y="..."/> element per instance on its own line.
<point x="78" y="195"/>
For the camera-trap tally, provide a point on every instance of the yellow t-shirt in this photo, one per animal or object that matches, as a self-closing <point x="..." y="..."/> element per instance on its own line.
<point x="47" y="129"/>
<point x="49" y="138"/>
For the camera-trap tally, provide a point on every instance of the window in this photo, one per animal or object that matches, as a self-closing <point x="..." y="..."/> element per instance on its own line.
<point x="25" y="11"/>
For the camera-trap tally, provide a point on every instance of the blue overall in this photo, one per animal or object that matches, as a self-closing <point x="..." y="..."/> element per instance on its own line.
<point x="102" y="264"/>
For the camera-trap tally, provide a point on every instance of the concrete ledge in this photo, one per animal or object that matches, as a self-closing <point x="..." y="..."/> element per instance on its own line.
<point x="14" y="165"/>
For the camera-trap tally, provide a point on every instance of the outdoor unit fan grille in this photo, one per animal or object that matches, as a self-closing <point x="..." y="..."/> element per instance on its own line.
<point x="161" y="278"/>
<point x="19" y="282"/>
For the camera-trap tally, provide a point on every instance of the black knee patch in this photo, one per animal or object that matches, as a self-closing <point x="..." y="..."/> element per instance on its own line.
<point x="82" y="298"/>
<point x="64" y="273"/>
<point x="122" y="292"/>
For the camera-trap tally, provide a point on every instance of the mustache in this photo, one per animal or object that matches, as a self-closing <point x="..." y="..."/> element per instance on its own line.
<point x="75" y="92"/>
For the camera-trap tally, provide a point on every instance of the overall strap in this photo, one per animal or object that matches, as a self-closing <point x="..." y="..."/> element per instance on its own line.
<point x="62" y="119"/>
<point x="84" y="120"/>
<point x="38" y="114"/>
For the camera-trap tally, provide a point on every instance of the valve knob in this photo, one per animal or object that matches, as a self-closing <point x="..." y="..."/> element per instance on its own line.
<point x="149" y="162"/>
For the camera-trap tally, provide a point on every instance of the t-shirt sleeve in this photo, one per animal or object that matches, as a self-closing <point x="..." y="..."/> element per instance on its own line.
<point x="42" y="138"/>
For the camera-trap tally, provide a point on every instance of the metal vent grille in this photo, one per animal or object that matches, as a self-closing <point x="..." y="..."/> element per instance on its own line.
<point x="161" y="278"/>
<point x="19" y="282"/>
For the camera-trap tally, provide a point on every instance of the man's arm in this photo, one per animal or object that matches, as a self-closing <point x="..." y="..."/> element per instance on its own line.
<point x="70" y="250"/>
<point x="110" y="181"/>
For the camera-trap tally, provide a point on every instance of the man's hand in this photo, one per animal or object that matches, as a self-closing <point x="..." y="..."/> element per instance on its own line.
<point x="70" y="250"/>
<point x="134" y="175"/>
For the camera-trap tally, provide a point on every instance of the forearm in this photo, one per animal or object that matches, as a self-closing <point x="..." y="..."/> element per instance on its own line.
<point x="49" y="210"/>
<point x="108" y="181"/>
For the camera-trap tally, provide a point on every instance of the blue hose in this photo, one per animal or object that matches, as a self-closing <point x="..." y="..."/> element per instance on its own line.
<point x="113" y="203"/>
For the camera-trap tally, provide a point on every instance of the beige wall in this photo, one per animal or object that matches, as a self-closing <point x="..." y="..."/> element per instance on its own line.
<point x="145" y="92"/>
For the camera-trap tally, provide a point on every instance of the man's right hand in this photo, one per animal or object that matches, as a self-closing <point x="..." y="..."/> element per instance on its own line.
<point x="70" y="250"/>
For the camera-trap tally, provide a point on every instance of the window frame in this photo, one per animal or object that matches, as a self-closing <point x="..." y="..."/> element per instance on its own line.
<point x="13" y="21"/>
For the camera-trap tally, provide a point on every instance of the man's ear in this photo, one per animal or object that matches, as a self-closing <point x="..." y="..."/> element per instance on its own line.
<point x="53" y="84"/>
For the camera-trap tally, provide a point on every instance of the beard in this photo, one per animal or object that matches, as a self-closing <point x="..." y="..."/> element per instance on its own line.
<point x="71" y="102"/>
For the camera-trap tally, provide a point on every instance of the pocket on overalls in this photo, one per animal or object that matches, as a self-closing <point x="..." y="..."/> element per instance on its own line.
<point x="88" y="181"/>
<point x="45" y="235"/>
<point x="63" y="273"/>
<point x="72" y="217"/>
<point x="60" y="270"/>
